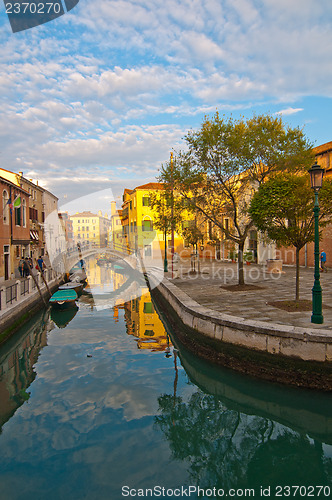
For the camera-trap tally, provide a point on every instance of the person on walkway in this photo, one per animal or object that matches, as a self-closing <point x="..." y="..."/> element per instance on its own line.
<point x="26" y="268"/>
<point x="40" y="264"/>
<point x="323" y="262"/>
<point x="21" y="267"/>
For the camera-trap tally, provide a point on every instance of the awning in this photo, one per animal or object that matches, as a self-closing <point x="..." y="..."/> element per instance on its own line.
<point x="34" y="235"/>
<point x="20" y="242"/>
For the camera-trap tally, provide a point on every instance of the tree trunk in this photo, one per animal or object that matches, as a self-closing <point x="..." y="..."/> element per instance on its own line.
<point x="297" y="275"/>
<point x="240" y="263"/>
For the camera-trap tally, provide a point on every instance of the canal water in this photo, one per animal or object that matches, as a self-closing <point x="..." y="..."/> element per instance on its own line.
<point x="104" y="403"/>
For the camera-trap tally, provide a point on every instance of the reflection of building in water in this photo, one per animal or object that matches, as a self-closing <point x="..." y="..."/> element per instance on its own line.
<point x="144" y="323"/>
<point x="16" y="367"/>
<point x="103" y="276"/>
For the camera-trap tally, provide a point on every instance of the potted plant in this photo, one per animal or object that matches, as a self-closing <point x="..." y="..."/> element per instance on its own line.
<point x="248" y="257"/>
<point x="233" y="255"/>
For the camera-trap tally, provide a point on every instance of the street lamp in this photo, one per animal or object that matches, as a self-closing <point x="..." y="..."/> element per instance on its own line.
<point x="316" y="179"/>
<point x="165" y="259"/>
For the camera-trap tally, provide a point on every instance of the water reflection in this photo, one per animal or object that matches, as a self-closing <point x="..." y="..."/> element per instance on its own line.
<point x="17" y="359"/>
<point x="236" y="432"/>
<point x="62" y="317"/>
<point x="111" y="283"/>
<point x="114" y="386"/>
<point x="143" y="322"/>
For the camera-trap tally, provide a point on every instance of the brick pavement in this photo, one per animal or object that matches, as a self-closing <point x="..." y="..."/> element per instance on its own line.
<point x="205" y="289"/>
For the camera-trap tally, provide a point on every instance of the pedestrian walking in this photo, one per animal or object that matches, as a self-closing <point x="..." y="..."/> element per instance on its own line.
<point x="21" y="267"/>
<point x="323" y="262"/>
<point x="26" y="268"/>
<point x="40" y="264"/>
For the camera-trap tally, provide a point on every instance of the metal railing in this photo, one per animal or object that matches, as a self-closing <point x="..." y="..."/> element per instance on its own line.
<point x="11" y="293"/>
<point x="24" y="286"/>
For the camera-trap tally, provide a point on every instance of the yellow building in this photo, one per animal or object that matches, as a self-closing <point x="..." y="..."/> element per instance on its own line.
<point x="323" y="155"/>
<point x="138" y="227"/>
<point x="91" y="228"/>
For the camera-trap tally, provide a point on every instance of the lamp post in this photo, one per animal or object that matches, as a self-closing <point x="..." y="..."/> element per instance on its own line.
<point x="165" y="259"/>
<point x="316" y="179"/>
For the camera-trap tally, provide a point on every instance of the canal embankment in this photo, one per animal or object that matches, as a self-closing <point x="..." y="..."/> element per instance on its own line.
<point x="21" y="298"/>
<point x="279" y="352"/>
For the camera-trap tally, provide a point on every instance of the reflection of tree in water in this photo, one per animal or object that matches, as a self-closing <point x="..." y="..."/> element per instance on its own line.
<point x="294" y="458"/>
<point x="226" y="448"/>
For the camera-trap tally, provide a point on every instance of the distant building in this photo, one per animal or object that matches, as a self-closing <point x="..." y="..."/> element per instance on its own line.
<point x="67" y="227"/>
<point x="91" y="228"/>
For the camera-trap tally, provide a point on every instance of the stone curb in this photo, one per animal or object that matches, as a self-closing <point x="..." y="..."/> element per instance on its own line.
<point x="295" y="342"/>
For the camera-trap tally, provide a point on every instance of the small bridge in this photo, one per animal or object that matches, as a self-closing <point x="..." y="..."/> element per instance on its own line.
<point x="67" y="260"/>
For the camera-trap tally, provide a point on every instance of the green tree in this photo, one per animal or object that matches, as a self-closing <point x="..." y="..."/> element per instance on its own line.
<point x="168" y="213"/>
<point x="225" y="163"/>
<point x="283" y="209"/>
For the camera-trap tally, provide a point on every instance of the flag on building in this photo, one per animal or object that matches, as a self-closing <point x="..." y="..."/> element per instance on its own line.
<point x="17" y="202"/>
<point x="10" y="203"/>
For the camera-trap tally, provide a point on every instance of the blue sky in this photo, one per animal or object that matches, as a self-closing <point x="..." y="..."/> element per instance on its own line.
<point x="97" y="98"/>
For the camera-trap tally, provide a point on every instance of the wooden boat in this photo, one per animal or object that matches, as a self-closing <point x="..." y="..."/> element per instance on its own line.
<point x="63" y="299"/>
<point x="72" y="285"/>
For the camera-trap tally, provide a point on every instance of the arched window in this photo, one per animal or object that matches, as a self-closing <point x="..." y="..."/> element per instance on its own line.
<point x="147" y="224"/>
<point x="5" y="207"/>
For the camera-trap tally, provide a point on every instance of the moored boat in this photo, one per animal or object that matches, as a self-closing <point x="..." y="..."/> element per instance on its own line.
<point x="72" y="285"/>
<point x="64" y="298"/>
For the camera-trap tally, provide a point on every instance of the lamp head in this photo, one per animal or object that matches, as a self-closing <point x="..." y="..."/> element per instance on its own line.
<point x="316" y="176"/>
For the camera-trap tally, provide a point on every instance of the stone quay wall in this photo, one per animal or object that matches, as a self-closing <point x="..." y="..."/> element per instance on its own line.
<point x="20" y="299"/>
<point x="274" y="339"/>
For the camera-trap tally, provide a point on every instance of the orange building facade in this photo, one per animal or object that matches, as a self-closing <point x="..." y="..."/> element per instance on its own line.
<point x="14" y="228"/>
<point x="323" y="155"/>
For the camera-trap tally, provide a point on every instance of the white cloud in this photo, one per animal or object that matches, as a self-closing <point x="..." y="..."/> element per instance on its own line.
<point x="121" y="83"/>
<point x="289" y="111"/>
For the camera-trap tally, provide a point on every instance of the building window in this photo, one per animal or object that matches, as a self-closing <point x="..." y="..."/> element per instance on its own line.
<point x="147" y="251"/>
<point x="17" y="251"/>
<point x="24" y="213"/>
<point x="146" y="201"/>
<point x="147" y="225"/>
<point x="18" y="216"/>
<point x="5" y="207"/>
